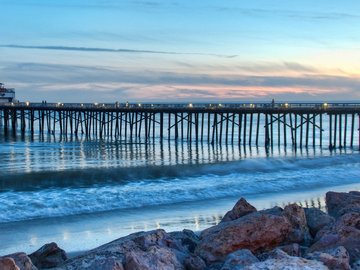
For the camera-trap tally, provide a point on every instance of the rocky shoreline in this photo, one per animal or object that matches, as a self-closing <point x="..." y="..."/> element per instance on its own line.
<point x="274" y="239"/>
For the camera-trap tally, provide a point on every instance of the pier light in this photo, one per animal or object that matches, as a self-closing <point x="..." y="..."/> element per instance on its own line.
<point x="190" y="105"/>
<point x="27" y="103"/>
<point x="220" y="105"/>
<point x="139" y="104"/>
<point x="286" y="105"/>
<point x="96" y="103"/>
<point x="59" y="104"/>
<point x="251" y="105"/>
<point x="103" y="105"/>
<point x="82" y="105"/>
<point x="325" y="105"/>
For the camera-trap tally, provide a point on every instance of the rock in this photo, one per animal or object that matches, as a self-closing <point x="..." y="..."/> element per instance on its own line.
<point x="276" y="253"/>
<point x="276" y="210"/>
<point x="287" y="263"/>
<point x="240" y="209"/>
<point x="334" y="259"/>
<point x="256" y="231"/>
<point x="155" y="258"/>
<point x="94" y="261"/>
<point x="48" y="256"/>
<point x="340" y="203"/>
<point x="187" y="239"/>
<point x="194" y="263"/>
<point x="300" y="232"/>
<point x="356" y="265"/>
<point x="292" y="249"/>
<point x="344" y="232"/>
<point x="238" y="259"/>
<point x="22" y="261"/>
<point x="136" y="251"/>
<point x="148" y="239"/>
<point x="215" y="266"/>
<point x="317" y="219"/>
<point x="7" y="263"/>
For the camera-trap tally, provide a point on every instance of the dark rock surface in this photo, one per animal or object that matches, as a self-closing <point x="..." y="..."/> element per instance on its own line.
<point x="257" y="232"/>
<point x="239" y="259"/>
<point x="340" y="203"/>
<point x="300" y="231"/>
<point x="8" y="263"/>
<point x="241" y="208"/>
<point x="22" y="261"/>
<point x="344" y="232"/>
<point x="317" y="219"/>
<point x="335" y="259"/>
<point x="48" y="256"/>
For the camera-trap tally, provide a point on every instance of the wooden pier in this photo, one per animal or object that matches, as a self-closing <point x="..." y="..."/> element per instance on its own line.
<point x="253" y="124"/>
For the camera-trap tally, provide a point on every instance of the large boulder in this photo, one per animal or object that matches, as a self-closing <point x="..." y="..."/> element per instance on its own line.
<point x="344" y="232"/>
<point x="289" y="263"/>
<point x="256" y="231"/>
<point x="296" y="216"/>
<point x="186" y="238"/>
<point x="136" y="251"/>
<point x="48" y="256"/>
<point x="22" y="261"/>
<point x="276" y="210"/>
<point x="240" y="209"/>
<point x="238" y="259"/>
<point x="340" y="203"/>
<point x="7" y="263"/>
<point x="292" y="249"/>
<point x="154" y="258"/>
<point x="194" y="263"/>
<point x="334" y="259"/>
<point x="300" y="232"/>
<point x="317" y="219"/>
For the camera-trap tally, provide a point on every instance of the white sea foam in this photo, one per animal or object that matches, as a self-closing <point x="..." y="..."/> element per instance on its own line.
<point x="122" y="188"/>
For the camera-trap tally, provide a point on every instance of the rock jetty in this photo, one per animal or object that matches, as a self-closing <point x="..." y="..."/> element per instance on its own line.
<point x="287" y="238"/>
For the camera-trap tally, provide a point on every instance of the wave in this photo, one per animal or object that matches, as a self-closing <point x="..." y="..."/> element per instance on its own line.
<point x="88" y="177"/>
<point x="176" y="184"/>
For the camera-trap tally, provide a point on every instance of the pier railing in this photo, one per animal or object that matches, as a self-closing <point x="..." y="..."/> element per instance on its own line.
<point x="118" y="105"/>
<point x="297" y="124"/>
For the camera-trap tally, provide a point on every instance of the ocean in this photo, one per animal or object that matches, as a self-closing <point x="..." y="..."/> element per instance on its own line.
<point x="82" y="192"/>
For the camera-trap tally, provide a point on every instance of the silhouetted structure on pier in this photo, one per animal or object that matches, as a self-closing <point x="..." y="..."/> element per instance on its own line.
<point x="298" y="124"/>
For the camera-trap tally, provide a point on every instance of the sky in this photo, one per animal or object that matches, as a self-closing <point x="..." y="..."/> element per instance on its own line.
<point x="181" y="51"/>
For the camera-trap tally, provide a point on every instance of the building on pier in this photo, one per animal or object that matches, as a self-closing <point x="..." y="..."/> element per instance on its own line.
<point x="6" y="94"/>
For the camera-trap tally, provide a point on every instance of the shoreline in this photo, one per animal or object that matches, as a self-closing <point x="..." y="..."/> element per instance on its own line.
<point x="246" y="238"/>
<point x="99" y="228"/>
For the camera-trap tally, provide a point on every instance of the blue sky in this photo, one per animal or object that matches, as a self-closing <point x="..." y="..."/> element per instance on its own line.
<point x="103" y="51"/>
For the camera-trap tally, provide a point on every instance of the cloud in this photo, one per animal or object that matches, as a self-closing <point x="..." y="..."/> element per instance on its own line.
<point x="86" y="83"/>
<point x="292" y="14"/>
<point x="88" y="49"/>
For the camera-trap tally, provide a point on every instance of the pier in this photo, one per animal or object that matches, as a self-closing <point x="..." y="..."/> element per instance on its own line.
<point x="334" y="125"/>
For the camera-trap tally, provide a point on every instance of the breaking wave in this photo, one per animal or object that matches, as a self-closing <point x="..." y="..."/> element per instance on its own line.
<point x="72" y="192"/>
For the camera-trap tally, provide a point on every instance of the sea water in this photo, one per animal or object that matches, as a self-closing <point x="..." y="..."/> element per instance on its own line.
<point x="82" y="192"/>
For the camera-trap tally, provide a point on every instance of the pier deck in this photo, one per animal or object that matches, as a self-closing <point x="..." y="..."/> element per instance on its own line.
<point x="268" y="124"/>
